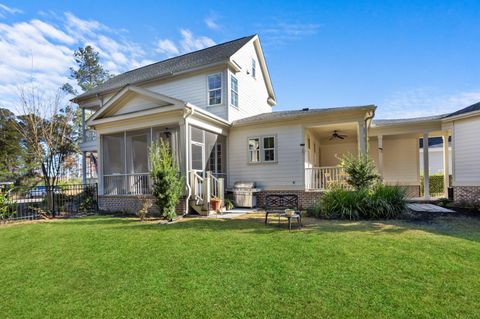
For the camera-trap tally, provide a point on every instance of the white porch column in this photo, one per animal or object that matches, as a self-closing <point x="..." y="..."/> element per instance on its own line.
<point x="426" y="168"/>
<point x="380" y="156"/>
<point x="446" y="168"/>
<point x="362" y="138"/>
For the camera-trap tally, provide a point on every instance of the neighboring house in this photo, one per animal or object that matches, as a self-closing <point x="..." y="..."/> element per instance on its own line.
<point x="214" y="107"/>
<point x="435" y="156"/>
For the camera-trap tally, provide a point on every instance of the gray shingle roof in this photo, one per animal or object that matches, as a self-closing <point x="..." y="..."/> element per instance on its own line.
<point x="294" y="114"/>
<point x="381" y="122"/>
<point x="193" y="60"/>
<point x="468" y="109"/>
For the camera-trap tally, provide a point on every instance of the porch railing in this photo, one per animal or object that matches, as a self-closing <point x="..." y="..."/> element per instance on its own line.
<point x="127" y="184"/>
<point x="204" y="188"/>
<point x="321" y="178"/>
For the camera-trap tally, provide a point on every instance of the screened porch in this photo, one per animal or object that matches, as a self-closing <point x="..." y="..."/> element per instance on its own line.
<point x="126" y="159"/>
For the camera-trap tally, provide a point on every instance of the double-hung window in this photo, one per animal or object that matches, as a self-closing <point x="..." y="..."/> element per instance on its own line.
<point x="254" y="68"/>
<point x="234" y="91"/>
<point x="215" y="89"/>
<point x="262" y="149"/>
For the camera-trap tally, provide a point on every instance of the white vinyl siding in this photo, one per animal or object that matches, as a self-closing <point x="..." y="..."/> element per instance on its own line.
<point x="466" y="148"/>
<point x="214" y="82"/>
<point x="252" y="94"/>
<point x="286" y="174"/>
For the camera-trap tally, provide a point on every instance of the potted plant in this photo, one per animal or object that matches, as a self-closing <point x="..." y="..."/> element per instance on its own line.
<point x="228" y="204"/>
<point x="215" y="203"/>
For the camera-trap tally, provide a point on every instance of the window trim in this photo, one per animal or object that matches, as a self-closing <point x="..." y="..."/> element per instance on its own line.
<point x="233" y="91"/>
<point x="262" y="149"/>
<point x="209" y="90"/>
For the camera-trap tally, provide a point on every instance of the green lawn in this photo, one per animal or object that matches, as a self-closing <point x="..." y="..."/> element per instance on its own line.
<point x="114" y="267"/>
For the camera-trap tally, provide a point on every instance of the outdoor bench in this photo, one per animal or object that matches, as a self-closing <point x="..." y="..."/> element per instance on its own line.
<point x="278" y="203"/>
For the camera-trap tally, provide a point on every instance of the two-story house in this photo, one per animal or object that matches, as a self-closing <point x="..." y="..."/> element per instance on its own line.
<point x="214" y="107"/>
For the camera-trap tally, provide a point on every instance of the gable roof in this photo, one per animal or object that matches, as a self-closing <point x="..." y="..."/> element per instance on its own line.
<point x="468" y="109"/>
<point x="129" y="90"/>
<point x="190" y="61"/>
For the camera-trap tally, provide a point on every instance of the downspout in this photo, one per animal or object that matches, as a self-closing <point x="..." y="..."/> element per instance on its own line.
<point x="368" y="118"/>
<point x="187" y="173"/>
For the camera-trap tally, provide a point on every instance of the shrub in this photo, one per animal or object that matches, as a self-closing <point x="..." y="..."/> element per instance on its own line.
<point x="228" y="203"/>
<point x="360" y="170"/>
<point x="378" y="202"/>
<point x="7" y="207"/>
<point x="168" y="185"/>
<point x="386" y="201"/>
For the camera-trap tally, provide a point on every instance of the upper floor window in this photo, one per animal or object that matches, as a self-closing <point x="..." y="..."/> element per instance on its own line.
<point x="215" y="89"/>
<point x="262" y="149"/>
<point x="254" y="68"/>
<point x="234" y="91"/>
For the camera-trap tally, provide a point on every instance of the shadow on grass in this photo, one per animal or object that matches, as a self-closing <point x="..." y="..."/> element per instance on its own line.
<point x="454" y="226"/>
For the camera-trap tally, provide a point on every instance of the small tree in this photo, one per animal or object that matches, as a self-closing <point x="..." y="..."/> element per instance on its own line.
<point x="361" y="171"/>
<point x="168" y="185"/>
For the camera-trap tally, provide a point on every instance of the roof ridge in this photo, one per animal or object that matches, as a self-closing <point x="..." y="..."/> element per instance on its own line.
<point x="185" y="54"/>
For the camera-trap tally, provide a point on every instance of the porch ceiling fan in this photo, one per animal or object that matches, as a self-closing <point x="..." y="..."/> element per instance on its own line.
<point x="336" y="134"/>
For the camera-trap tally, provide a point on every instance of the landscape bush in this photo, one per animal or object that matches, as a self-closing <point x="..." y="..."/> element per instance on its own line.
<point x="378" y="202"/>
<point x="366" y="199"/>
<point x="168" y="185"/>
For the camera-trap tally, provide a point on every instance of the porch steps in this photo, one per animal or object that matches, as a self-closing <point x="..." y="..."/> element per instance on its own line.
<point x="197" y="207"/>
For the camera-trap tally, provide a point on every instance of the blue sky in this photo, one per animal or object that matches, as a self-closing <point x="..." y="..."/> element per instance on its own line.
<point x="410" y="58"/>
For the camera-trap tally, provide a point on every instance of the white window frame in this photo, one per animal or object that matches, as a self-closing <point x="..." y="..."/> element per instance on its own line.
<point x="232" y="91"/>
<point x="254" y="68"/>
<point x="262" y="149"/>
<point x="209" y="90"/>
<point x="274" y="149"/>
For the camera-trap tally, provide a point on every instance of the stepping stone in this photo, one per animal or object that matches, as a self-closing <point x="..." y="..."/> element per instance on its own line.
<point x="429" y="208"/>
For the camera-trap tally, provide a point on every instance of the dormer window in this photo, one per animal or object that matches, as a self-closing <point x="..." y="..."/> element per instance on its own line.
<point x="254" y="68"/>
<point x="234" y="91"/>
<point x="215" y="89"/>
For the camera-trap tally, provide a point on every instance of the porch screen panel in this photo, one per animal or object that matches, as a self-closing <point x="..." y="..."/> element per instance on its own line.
<point x="137" y="151"/>
<point x="114" y="164"/>
<point x="197" y="157"/>
<point x="170" y="136"/>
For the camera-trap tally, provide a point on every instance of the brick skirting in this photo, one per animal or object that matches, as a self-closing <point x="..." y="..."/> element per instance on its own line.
<point x="470" y="194"/>
<point x="129" y="204"/>
<point x="306" y="199"/>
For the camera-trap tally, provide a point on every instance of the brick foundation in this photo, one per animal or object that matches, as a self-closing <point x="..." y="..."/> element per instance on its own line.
<point x="129" y="204"/>
<point x="306" y="199"/>
<point x="469" y="194"/>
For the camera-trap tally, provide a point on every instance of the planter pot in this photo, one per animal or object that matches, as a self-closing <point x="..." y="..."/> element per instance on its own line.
<point x="215" y="204"/>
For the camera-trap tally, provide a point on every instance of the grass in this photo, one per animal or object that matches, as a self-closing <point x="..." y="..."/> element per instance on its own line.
<point x="119" y="267"/>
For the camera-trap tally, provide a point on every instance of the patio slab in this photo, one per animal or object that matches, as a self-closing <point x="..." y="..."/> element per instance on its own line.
<point x="428" y="208"/>
<point x="236" y="212"/>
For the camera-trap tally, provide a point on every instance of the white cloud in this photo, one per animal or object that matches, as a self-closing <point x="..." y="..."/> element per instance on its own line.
<point x="191" y="43"/>
<point x="167" y="47"/>
<point x="211" y="23"/>
<point x="40" y="50"/>
<point x="188" y="43"/>
<point x="425" y="102"/>
<point x="8" y="10"/>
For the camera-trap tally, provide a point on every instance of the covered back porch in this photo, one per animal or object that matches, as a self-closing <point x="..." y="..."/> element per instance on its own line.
<point x="323" y="147"/>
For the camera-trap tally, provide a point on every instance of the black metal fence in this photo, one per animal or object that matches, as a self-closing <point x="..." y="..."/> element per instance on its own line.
<point x="59" y="201"/>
